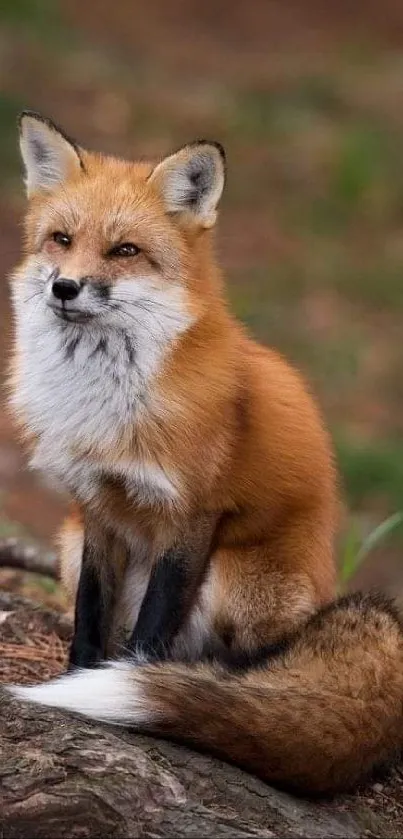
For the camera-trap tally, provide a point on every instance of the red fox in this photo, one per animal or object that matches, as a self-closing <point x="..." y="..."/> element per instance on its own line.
<point x="200" y="546"/>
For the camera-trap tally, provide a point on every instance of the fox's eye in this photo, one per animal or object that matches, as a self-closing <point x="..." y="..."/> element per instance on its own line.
<point x="126" y="249"/>
<point x="61" y="239"/>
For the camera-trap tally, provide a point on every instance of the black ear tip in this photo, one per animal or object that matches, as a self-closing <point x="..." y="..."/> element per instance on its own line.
<point x="220" y="148"/>
<point x="23" y="115"/>
<point x="215" y="144"/>
<point x="27" y="113"/>
<point x="52" y="126"/>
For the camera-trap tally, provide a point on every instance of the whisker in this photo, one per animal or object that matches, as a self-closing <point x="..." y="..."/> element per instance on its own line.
<point x="32" y="296"/>
<point x="148" y="306"/>
<point x="157" y="338"/>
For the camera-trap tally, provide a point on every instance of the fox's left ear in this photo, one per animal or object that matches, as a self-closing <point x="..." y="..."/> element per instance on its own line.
<point x="192" y="180"/>
<point x="49" y="156"/>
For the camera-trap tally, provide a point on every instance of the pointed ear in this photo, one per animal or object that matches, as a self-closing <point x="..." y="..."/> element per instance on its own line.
<point x="49" y="156"/>
<point x="192" y="180"/>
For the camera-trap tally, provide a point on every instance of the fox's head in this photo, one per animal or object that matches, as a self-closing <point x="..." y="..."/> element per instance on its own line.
<point x="113" y="245"/>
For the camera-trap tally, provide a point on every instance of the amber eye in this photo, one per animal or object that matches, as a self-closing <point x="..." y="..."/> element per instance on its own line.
<point x="61" y="239"/>
<point x="126" y="249"/>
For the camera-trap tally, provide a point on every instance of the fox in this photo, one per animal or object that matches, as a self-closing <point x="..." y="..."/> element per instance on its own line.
<point x="199" y="549"/>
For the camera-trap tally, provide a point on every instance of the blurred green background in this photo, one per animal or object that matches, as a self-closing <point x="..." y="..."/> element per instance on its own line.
<point x="307" y="98"/>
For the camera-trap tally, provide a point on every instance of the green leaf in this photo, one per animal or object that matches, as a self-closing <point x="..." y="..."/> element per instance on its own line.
<point x="354" y="553"/>
<point x="376" y="536"/>
<point x="350" y="552"/>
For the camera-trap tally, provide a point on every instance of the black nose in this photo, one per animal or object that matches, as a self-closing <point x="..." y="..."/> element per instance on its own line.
<point x="65" y="289"/>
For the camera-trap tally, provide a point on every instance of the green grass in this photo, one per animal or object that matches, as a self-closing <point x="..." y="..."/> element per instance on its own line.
<point x="10" y="165"/>
<point x="378" y="285"/>
<point x="364" y="158"/>
<point x="35" y="17"/>
<point x="47" y="584"/>
<point x="11" y="529"/>
<point x="371" y="470"/>
<point x="275" y="113"/>
<point x="363" y="183"/>
<point x="355" y="549"/>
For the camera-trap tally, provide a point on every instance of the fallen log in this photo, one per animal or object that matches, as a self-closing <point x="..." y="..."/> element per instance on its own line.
<point x="61" y="776"/>
<point x="16" y="554"/>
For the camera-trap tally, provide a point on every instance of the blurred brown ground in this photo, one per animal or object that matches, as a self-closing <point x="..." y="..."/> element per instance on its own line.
<point x="313" y="251"/>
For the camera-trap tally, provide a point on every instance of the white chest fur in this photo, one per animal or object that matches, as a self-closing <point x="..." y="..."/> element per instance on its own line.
<point x="79" y="388"/>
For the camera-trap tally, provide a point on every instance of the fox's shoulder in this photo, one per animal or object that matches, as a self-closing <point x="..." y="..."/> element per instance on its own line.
<point x="276" y="386"/>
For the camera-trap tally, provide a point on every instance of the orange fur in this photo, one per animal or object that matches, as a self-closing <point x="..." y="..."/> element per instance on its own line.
<point x="230" y="420"/>
<point x="220" y="431"/>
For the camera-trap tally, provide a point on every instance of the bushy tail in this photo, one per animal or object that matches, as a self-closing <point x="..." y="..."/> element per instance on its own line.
<point x="316" y="717"/>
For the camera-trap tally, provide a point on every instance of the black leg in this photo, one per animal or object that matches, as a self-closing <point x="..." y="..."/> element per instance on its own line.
<point x="171" y="591"/>
<point x="163" y="609"/>
<point x="93" y="606"/>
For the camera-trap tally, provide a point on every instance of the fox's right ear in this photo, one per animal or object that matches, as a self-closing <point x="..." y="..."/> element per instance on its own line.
<point x="49" y="156"/>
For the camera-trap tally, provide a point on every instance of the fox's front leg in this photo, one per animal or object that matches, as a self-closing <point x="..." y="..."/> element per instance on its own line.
<point x="95" y="599"/>
<point x="173" y="585"/>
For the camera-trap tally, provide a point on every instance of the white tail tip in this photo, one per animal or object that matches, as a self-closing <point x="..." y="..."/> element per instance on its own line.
<point x="110" y="694"/>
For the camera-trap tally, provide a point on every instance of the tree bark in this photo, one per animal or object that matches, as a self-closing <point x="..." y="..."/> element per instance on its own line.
<point x="61" y="776"/>
<point x="16" y="554"/>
